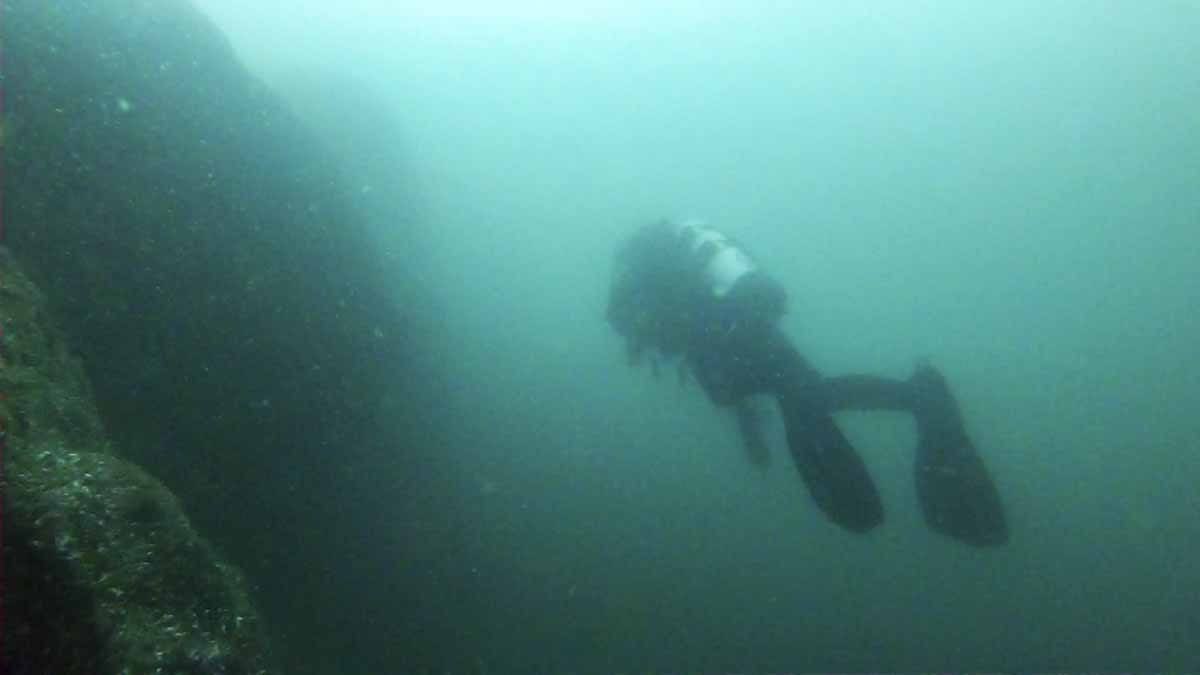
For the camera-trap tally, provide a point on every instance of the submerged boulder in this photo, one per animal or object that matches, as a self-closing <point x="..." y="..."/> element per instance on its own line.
<point x="103" y="573"/>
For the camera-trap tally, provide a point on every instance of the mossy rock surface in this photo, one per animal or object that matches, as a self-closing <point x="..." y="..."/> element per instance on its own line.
<point x="213" y="268"/>
<point x="103" y="571"/>
<point x="200" y="246"/>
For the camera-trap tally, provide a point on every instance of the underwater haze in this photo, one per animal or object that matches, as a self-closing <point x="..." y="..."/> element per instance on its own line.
<point x="1009" y="189"/>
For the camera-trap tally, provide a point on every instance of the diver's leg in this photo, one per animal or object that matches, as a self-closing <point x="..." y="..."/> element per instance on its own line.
<point x="957" y="495"/>
<point x="835" y="475"/>
<point x="868" y="392"/>
<point x="750" y="429"/>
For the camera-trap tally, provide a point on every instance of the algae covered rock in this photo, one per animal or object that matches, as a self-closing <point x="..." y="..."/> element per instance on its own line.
<point x="208" y="261"/>
<point x="197" y="242"/>
<point x="103" y="573"/>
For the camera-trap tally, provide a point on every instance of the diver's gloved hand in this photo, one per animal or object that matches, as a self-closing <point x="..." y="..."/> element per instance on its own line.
<point x="957" y="495"/>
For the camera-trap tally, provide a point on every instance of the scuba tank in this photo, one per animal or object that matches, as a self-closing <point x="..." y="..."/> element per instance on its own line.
<point x="720" y="261"/>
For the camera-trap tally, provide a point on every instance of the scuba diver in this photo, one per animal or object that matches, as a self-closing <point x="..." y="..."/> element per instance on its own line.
<point x="683" y="289"/>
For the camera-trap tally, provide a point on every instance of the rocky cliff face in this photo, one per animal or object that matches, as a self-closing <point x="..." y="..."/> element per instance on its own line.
<point x="211" y="268"/>
<point x="103" y="573"/>
<point x="198" y="243"/>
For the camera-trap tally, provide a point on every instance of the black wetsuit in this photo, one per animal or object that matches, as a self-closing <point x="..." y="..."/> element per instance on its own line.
<point x="733" y="344"/>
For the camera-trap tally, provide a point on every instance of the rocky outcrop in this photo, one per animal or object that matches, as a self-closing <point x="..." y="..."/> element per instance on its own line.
<point x="213" y="269"/>
<point x="208" y="262"/>
<point x="103" y="573"/>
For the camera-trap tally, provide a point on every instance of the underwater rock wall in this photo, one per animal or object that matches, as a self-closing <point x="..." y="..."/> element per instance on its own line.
<point x="195" y="238"/>
<point x="103" y="573"/>
<point x="209" y="265"/>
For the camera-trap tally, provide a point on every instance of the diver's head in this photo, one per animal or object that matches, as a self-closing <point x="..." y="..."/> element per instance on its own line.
<point x="648" y="298"/>
<point x="638" y="270"/>
<point x="628" y="304"/>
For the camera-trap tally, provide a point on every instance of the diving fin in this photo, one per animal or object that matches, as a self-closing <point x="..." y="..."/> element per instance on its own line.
<point x="834" y="473"/>
<point x="957" y="495"/>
